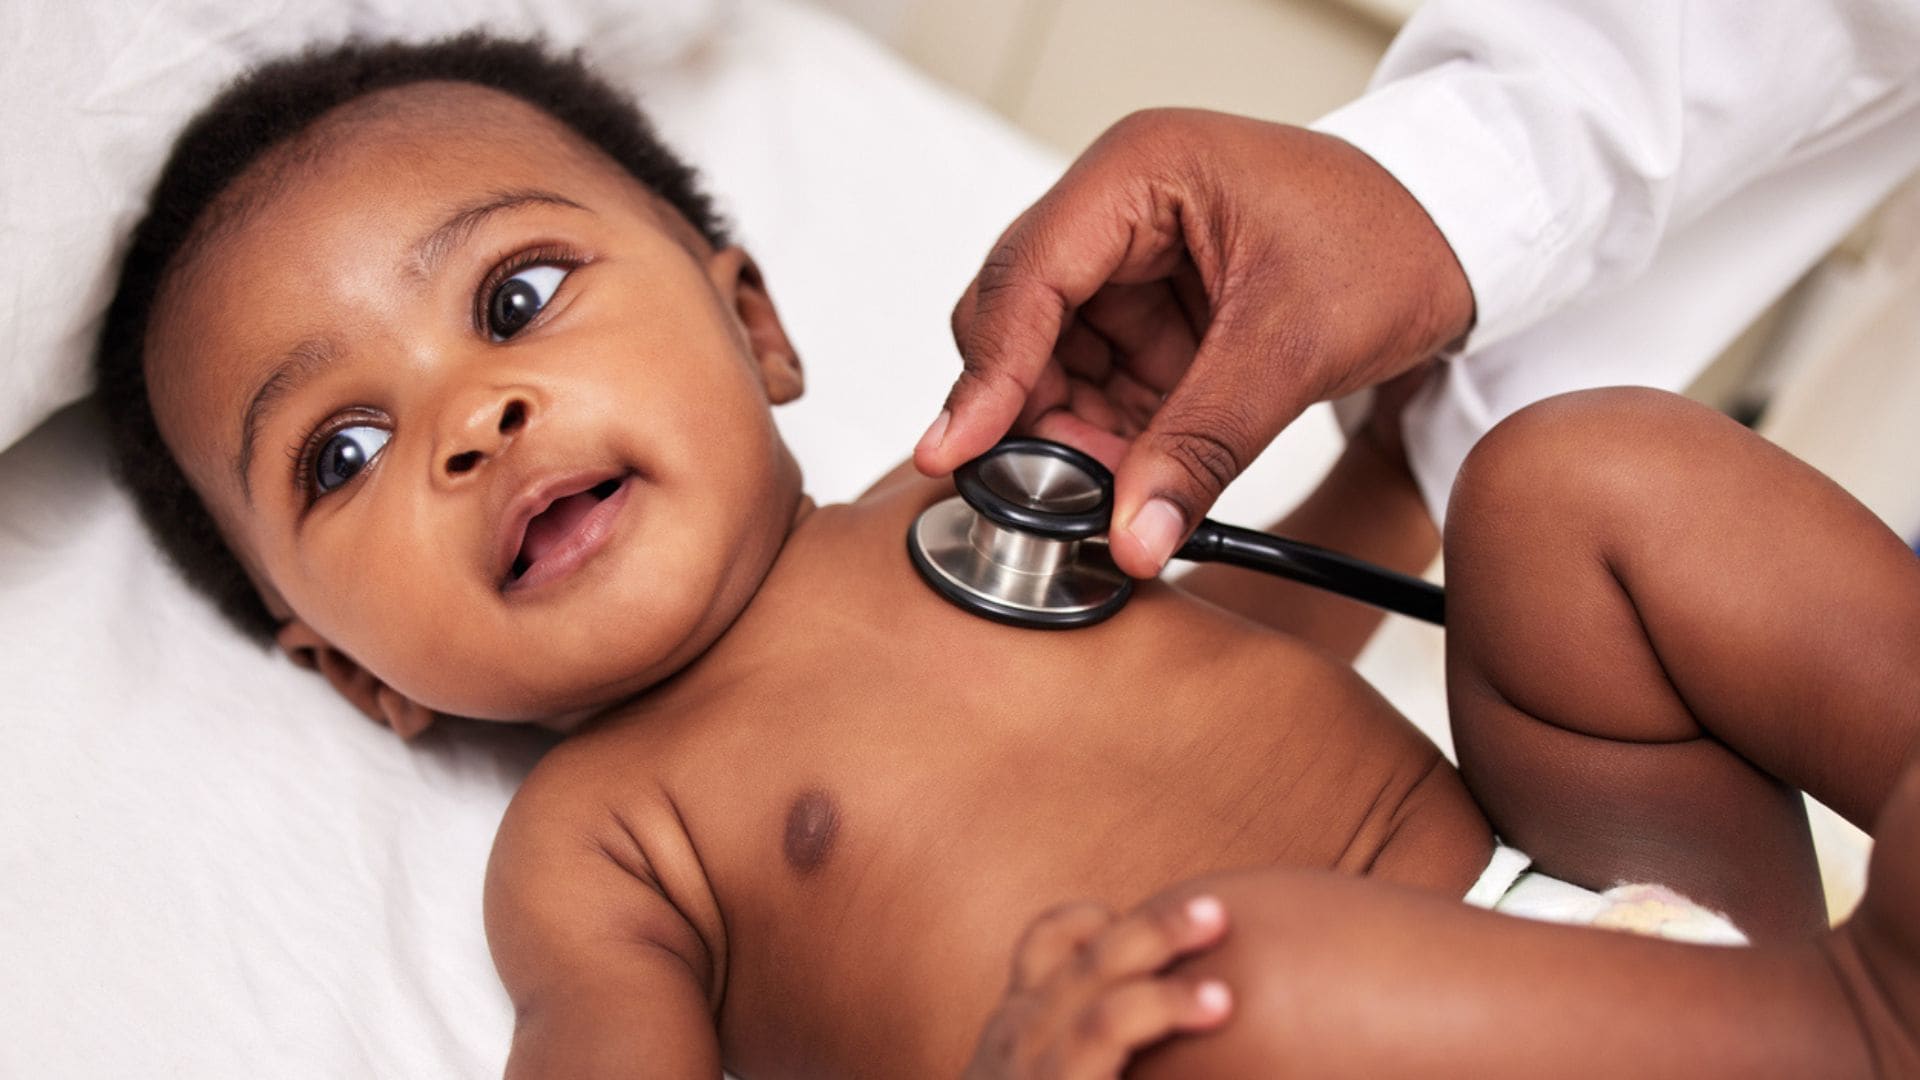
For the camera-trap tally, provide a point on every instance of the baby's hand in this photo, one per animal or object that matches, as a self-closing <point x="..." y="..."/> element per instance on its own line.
<point x="1089" y="991"/>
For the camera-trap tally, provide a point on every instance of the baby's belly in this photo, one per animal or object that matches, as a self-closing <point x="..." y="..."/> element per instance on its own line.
<point x="893" y="971"/>
<point x="871" y="930"/>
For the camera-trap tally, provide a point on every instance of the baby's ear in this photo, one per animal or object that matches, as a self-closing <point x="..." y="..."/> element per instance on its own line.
<point x="380" y="702"/>
<point x="738" y="279"/>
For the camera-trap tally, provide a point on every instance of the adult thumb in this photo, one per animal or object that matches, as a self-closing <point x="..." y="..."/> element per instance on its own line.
<point x="1204" y="436"/>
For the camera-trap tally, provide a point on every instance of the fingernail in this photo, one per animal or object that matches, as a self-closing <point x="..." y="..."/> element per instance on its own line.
<point x="1213" y="997"/>
<point x="1205" y="911"/>
<point x="936" y="433"/>
<point x="1158" y="526"/>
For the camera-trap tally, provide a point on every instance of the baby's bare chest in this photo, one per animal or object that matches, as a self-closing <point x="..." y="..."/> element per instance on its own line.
<point x="877" y="840"/>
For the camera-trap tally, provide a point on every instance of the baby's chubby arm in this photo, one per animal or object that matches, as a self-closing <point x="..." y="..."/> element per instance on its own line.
<point x="607" y="977"/>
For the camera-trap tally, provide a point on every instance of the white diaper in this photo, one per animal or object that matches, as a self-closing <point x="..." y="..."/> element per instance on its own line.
<point x="1508" y="886"/>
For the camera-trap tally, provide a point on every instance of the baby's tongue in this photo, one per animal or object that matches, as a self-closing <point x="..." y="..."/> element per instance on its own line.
<point x="553" y="525"/>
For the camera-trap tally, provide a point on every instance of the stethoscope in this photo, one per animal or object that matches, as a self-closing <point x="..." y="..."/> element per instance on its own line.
<point x="1024" y="543"/>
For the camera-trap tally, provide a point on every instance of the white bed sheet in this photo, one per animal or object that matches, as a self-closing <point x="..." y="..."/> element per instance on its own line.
<point x="211" y="867"/>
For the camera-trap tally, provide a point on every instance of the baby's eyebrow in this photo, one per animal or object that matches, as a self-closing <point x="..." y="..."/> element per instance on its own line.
<point x="427" y="252"/>
<point x="299" y="365"/>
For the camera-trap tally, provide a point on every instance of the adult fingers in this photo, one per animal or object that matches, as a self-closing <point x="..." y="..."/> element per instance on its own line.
<point x="1022" y="302"/>
<point x="1050" y="940"/>
<point x="1147" y="324"/>
<point x="1108" y="218"/>
<point x="1069" y="427"/>
<point x="1253" y="372"/>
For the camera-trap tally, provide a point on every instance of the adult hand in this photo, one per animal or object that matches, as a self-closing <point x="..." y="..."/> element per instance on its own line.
<point x="1191" y="284"/>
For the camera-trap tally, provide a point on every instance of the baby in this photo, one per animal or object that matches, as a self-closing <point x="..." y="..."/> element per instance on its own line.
<point x="432" y="365"/>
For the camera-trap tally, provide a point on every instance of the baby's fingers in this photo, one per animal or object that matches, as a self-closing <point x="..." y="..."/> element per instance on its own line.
<point x="1056" y="936"/>
<point x="1138" y="1013"/>
<point x="1154" y="935"/>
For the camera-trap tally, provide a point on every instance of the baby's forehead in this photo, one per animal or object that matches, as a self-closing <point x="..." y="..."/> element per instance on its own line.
<point x="440" y="110"/>
<point x="391" y="133"/>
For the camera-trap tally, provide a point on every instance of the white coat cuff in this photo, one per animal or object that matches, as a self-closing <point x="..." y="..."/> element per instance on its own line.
<point x="1446" y="153"/>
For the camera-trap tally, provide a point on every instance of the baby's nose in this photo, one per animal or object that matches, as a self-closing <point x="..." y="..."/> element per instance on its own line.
<point x="483" y="429"/>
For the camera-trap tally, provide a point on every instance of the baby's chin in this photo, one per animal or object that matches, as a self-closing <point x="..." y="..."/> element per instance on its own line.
<point x="560" y="709"/>
<point x="562" y="697"/>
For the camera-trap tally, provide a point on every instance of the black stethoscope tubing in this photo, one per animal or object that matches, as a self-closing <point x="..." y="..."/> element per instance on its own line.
<point x="1316" y="566"/>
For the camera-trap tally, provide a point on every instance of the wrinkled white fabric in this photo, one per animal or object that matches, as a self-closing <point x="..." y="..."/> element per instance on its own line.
<point x="1628" y="183"/>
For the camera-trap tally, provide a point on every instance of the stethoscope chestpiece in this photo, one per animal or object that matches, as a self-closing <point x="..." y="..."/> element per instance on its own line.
<point x="1023" y="544"/>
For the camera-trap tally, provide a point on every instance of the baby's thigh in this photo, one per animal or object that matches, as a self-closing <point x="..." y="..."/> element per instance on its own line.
<point x="1618" y="586"/>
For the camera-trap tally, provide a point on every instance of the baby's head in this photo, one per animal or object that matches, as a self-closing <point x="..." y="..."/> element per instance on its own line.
<point x="432" y="364"/>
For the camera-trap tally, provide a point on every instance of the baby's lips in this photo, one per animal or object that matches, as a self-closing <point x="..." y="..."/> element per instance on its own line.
<point x="568" y="530"/>
<point x="549" y="527"/>
<point x="532" y="500"/>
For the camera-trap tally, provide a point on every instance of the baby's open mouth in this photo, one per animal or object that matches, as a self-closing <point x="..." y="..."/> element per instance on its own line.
<point x="563" y="532"/>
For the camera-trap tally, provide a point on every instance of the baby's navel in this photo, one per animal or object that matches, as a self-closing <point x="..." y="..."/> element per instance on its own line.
<point x="811" y="823"/>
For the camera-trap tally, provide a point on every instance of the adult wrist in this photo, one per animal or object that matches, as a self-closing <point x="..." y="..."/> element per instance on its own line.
<point x="1450" y="158"/>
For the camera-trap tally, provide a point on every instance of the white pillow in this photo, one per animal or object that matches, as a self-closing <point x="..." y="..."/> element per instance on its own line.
<point x="92" y="94"/>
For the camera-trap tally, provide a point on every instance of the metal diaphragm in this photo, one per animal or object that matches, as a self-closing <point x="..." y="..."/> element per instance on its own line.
<point x="1021" y="544"/>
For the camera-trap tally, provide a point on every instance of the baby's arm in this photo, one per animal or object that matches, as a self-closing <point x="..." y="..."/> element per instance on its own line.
<point x="607" y="978"/>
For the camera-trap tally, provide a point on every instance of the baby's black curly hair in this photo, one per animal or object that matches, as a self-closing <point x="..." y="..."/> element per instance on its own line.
<point x="259" y="111"/>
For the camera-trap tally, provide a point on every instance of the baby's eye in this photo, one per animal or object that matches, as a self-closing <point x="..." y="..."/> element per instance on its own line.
<point x="518" y="299"/>
<point x="345" y="453"/>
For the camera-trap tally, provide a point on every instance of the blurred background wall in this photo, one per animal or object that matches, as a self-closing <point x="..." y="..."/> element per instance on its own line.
<point x="1065" y="69"/>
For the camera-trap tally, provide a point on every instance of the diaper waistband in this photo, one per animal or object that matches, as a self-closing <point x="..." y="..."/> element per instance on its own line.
<point x="1502" y="871"/>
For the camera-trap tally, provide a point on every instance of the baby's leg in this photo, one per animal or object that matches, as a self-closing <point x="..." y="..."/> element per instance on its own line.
<point x="1340" y="976"/>
<point x="1335" y="976"/>
<point x="1659" y="626"/>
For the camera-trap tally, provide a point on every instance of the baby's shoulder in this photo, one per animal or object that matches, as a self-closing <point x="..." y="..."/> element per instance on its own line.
<point x="901" y="476"/>
<point x="578" y="805"/>
<point x="583" y="857"/>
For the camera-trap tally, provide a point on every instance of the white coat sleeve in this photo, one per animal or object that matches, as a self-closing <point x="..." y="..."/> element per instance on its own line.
<point x="1556" y="142"/>
<point x="1628" y="183"/>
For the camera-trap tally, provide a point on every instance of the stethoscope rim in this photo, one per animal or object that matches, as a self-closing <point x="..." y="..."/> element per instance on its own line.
<point x="969" y="480"/>
<point x="952" y="581"/>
